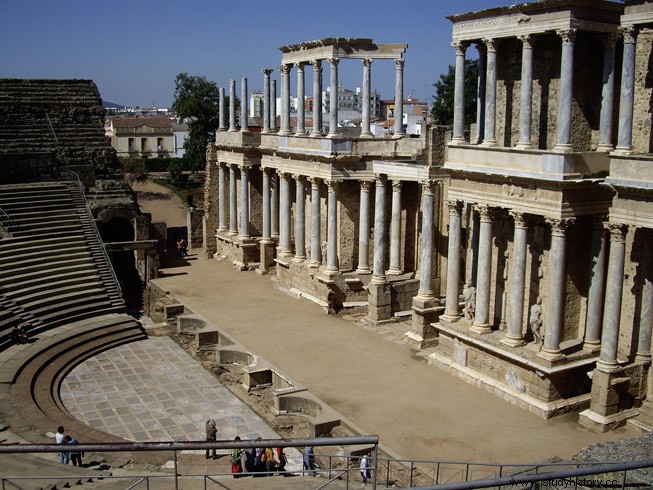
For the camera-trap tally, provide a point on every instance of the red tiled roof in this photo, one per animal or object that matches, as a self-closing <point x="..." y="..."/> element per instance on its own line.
<point x="158" y="122"/>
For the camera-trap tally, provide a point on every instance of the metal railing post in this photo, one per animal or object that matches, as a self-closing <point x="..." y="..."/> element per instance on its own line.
<point x="411" y="474"/>
<point x="376" y="465"/>
<point x="174" y="452"/>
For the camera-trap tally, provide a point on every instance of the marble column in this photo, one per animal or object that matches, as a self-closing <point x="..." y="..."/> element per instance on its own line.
<point x="317" y="98"/>
<point x="273" y="105"/>
<point x="458" y="135"/>
<point x="222" y="205"/>
<point x="481" y="323"/>
<point x="364" y="229"/>
<point x="566" y="89"/>
<point x="607" y="97"/>
<point x="399" y="98"/>
<point x="515" y="335"/>
<point x="284" y="216"/>
<point x="244" y="203"/>
<point x="222" y="113"/>
<point x="333" y="97"/>
<point x="592" y="342"/>
<point x="489" y="138"/>
<point x="480" y="92"/>
<point x="395" y="230"/>
<point x="301" y="88"/>
<point x="232" y="106"/>
<point x="613" y="294"/>
<point x="300" y="241"/>
<point x="425" y="291"/>
<point x="451" y="312"/>
<point x="367" y="88"/>
<point x="646" y="315"/>
<point x="285" y="99"/>
<point x="316" y="244"/>
<point x="332" y="226"/>
<point x="267" y="229"/>
<point x="554" y="316"/>
<point x="378" y="271"/>
<point x="266" y="100"/>
<point x="627" y="100"/>
<point x="233" y="210"/>
<point x="526" y="94"/>
<point x="274" y="205"/>
<point x="244" y="103"/>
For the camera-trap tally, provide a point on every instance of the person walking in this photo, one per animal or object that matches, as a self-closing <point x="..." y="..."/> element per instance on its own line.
<point x="309" y="460"/>
<point x="365" y="468"/>
<point x="236" y="465"/>
<point x="59" y="438"/>
<point x="211" y="434"/>
<point x="75" y="456"/>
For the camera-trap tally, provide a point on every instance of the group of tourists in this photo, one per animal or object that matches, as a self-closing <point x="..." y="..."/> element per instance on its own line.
<point x="70" y="455"/>
<point x="257" y="461"/>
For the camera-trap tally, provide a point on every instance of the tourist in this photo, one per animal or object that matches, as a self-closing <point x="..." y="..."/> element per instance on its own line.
<point x="269" y="460"/>
<point x="309" y="460"/>
<point x="365" y="468"/>
<point x="211" y="433"/>
<point x="65" y="456"/>
<point x="59" y="439"/>
<point x="19" y="334"/>
<point x="182" y="247"/>
<point x="75" y="456"/>
<point x="258" y="458"/>
<point x="236" y="465"/>
<point x="281" y="456"/>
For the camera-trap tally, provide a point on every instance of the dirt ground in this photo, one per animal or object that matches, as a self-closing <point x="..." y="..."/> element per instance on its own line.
<point x="418" y="411"/>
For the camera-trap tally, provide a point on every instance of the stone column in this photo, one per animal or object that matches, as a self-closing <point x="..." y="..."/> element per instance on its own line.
<point x="364" y="228"/>
<point x="267" y="229"/>
<point x="451" y="312"/>
<point x="625" y="137"/>
<point x="273" y="105"/>
<point x="333" y="97"/>
<point x="646" y="315"/>
<point x="481" y="323"/>
<point x="266" y="100"/>
<point x="480" y="93"/>
<point x="222" y="205"/>
<point x="490" y="93"/>
<point x="613" y="293"/>
<point x="395" y="230"/>
<point x="285" y="99"/>
<point x="378" y="272"/>
<point x="399" y="98"/>
<point x="233" y="217"/>
<point x="244" y="203"/>
<point x="458" y="135"/>
<point x="367" y="88"/>
<point x="425" y="291"/>
<point x="274" y="205"/>
<point x="515" y="335"/>
<point x="317" y="98"/>
<point x="232" y="106"/>
<point x="607" y="99"/>
<point x="566" y="89"/>
<point x="284" y="218"/>
<point x="592" y="341"/>
<point x="316" y="245"/>
<point x="244" y="102"/>
<point x="222" y="124"/>
<point x="554" y="317"/>
<point x="526" y="94"/>
<point x="301" y="124"/>
<point x="300" y="248"/>
<point x="332" y="226"/>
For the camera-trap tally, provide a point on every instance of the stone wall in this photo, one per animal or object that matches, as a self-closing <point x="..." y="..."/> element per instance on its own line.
<point x="210" y="223"/>
<point x="642" y="135"/>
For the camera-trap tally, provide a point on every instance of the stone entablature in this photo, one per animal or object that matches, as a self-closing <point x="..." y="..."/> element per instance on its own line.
<point x="340" y="48"/>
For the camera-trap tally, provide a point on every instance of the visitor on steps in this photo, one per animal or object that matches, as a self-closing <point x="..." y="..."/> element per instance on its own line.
<point x="211" y="433"/>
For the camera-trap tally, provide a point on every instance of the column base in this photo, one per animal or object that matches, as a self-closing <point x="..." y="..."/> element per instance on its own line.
<point x="221" y="230"/>
<point x="592" y="346"/>
<point x="378" y="280"/>
<point x="607" y="367"/>
<point x="551" y="357"/>
<point x="513" y="341"/>
<point x="363" y="271"/>
<point x="315" y="265"/>
<point x="643" y="358"/>
<point x="489" y="143"/>
<point x="299" y="259"/>
<point x="331" y="272"/>
<point x="563" y="148"/>
<point x="366" y="134"/>
<point x="623" y="150"/>
<point x="600" y="424"/>
<point x="394" y="272"/>
<point x="450" y="318"/>
<point x="605" y="148"/>
<point x="316" y="135"/>
<point x="523" y="146"/>
<point x="481" y="329"/>
<point x="284" y="133"/>
<point x="457" y="141"/>
<point x="397" y="136"/>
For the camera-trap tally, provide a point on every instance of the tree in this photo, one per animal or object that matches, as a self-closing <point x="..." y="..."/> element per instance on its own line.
<point x="197" y="101"/>
<point x="442" y="111"/>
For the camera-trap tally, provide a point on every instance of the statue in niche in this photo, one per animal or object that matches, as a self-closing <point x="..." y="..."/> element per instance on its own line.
<point x="535" y="322"/>
<point x="469" y="296"/>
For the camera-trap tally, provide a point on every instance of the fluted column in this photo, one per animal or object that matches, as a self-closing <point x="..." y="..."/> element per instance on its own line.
<point x="333" y="97"/>
<point x="425" y="291"/>
<point x="625" y="138"/>
<point x="607" y="98"/>
<point x="222" y="113"/>
<point x="274" y="205"/>
<point x="458" y="135"/>
<point x="481" y="323"/>
<point x="233" y="210"/>
<point x="367" y="86"/>
<point x="222" y="191"/>
<point x="332" y="226"/>
<point x="316" y="245"/>
<point x="378" y="273"/>
<point x="399" y="97"/>
<point x="490" y="93"/>
<point x="300" y="248"/>
<point x="592" y="340"/>
<point x="244" y="203"/>
<point x="267" y="229"/>
<point x="364" y="229"/>
<point x="284" y="215"/>
<point x="285" y="99"/>
<point x="566" y="89"/>
<point x="554" y="316"/>
<point x="232" y="106"/>
<point x="266" y="100"/>
<point x="301" y="88"/>
<point x="526" y="94"/>
<point x="244" y="103"/>
<point x="515" y="336"/>
<point x="317" y="98"/>
<point x="273" y="105"/>
<point x="395" y="230"/>
<point x="451" y="312"/>
<point x="480" y="93"/>
<point x="646" y="315"/>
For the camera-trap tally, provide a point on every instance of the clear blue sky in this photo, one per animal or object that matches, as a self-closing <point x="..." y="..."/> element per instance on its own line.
<point x="134" y="49"/>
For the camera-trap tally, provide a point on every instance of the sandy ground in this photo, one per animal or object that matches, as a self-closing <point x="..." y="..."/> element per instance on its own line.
<point x="418" y="411"/>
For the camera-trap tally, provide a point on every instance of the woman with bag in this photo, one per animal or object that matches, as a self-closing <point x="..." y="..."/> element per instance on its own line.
<point x="236" y="466"/>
